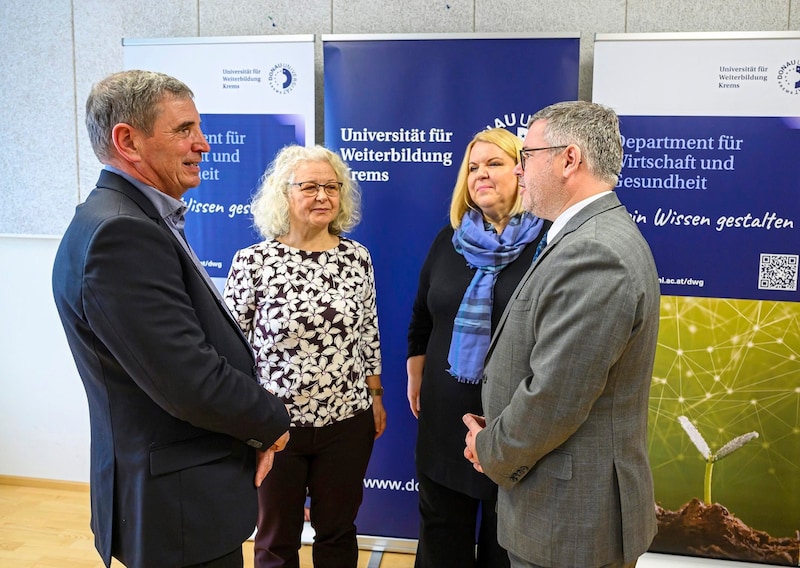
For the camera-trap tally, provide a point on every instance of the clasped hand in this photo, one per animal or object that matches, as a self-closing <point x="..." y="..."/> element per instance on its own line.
<point x="474" y="424"/>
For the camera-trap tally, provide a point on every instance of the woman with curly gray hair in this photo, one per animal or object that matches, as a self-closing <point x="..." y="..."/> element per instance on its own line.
<point x="305" y="296"/>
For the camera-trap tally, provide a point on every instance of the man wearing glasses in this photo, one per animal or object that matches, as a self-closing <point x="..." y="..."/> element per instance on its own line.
<point x="567" y="376"/>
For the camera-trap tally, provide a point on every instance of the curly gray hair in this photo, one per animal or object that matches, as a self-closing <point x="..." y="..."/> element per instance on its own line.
<point x="270" y="204"/>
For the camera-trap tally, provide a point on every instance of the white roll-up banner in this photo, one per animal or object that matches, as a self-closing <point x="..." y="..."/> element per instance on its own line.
<point x="711" y="132"/>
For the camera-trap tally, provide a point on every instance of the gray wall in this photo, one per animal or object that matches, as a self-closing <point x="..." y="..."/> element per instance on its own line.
<point x="53" y="50"/>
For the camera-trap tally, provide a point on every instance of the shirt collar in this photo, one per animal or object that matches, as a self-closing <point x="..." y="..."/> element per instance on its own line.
<point x="564" y="218"/>
<point x="170" y="209"/>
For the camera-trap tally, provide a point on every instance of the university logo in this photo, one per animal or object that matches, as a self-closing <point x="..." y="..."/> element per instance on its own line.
<point x="515" y="122"/>
<point x="789" y="77"/>
<point x="282" y="78"/>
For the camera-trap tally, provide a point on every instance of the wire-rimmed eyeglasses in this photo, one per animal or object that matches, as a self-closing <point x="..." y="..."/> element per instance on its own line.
<point x="523" y="153"/>
<point x="311" y="188"/>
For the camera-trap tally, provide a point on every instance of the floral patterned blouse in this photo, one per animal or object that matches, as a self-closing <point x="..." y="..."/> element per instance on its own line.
<point x="312" y="320"/>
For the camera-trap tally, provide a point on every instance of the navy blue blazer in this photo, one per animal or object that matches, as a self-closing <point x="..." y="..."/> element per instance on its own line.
<point x="174" y="404"/>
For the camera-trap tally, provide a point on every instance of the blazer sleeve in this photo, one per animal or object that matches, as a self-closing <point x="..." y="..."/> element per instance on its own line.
<point x="144" y="298"/>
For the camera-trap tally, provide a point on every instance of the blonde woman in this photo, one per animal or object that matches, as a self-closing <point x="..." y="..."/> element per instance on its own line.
<point x="472" y="268"/>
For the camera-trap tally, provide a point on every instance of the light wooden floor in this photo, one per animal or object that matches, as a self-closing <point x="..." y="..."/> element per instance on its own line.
<point x="46" y="525"/>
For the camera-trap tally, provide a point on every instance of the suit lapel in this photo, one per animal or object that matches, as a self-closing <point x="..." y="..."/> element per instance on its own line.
<point x="110" y="180"/>
<point x="598" y="206"/>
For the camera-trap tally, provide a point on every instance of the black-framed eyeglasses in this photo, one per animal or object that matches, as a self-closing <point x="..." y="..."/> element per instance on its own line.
<point x="523" y="153"/>
<point x="311" y="188"/>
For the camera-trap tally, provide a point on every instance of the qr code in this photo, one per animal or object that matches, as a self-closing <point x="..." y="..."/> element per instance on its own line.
<point x="778" y="272"/>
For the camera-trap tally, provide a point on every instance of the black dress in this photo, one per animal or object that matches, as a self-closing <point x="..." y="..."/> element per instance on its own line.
<point x="444" y="278"/>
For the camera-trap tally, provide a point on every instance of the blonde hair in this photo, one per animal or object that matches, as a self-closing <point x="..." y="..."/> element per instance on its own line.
<point x="461" y="201"/>
<point x="270" y="204"/>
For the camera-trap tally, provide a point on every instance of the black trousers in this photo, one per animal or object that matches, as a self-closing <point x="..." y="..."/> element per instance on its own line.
<point x="329" y="462"/>
<point x="447" y="528"/>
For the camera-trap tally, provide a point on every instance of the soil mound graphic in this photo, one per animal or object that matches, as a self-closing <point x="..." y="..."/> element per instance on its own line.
<point x="712" y="531"/>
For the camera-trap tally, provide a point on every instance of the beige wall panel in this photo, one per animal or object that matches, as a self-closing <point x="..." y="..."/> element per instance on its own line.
<point x="37" y="118"/>
<point x="264" y="17"/>
<point x="794" y="15"/>
<point x="707" y="15"/>
<point x="405" y="16"/>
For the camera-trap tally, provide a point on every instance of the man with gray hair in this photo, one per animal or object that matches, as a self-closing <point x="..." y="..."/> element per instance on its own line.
<point x="567" y="377"/>
<point x="182" y="433"/>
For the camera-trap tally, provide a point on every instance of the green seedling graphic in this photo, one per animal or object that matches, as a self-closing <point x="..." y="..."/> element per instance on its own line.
<point x="708" y="455"/>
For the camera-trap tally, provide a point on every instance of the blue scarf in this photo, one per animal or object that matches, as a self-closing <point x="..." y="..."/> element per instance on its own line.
<point x="489" y="253"/>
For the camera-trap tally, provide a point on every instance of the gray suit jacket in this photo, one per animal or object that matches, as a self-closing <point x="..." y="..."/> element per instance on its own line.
<point x="565" y="394"/>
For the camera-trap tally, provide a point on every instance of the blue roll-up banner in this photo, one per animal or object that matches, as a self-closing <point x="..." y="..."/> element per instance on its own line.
<point x="711" y="131"/>
<point x="255" y="94"/>
<point x="400" y="110"/>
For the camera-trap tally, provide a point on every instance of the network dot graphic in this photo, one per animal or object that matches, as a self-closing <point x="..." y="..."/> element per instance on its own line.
<point x="731" y="367"/>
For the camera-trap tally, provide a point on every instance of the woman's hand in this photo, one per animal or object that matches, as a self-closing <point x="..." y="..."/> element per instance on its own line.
<point x="379" y="414"/>
<point x="414" y="367"/>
